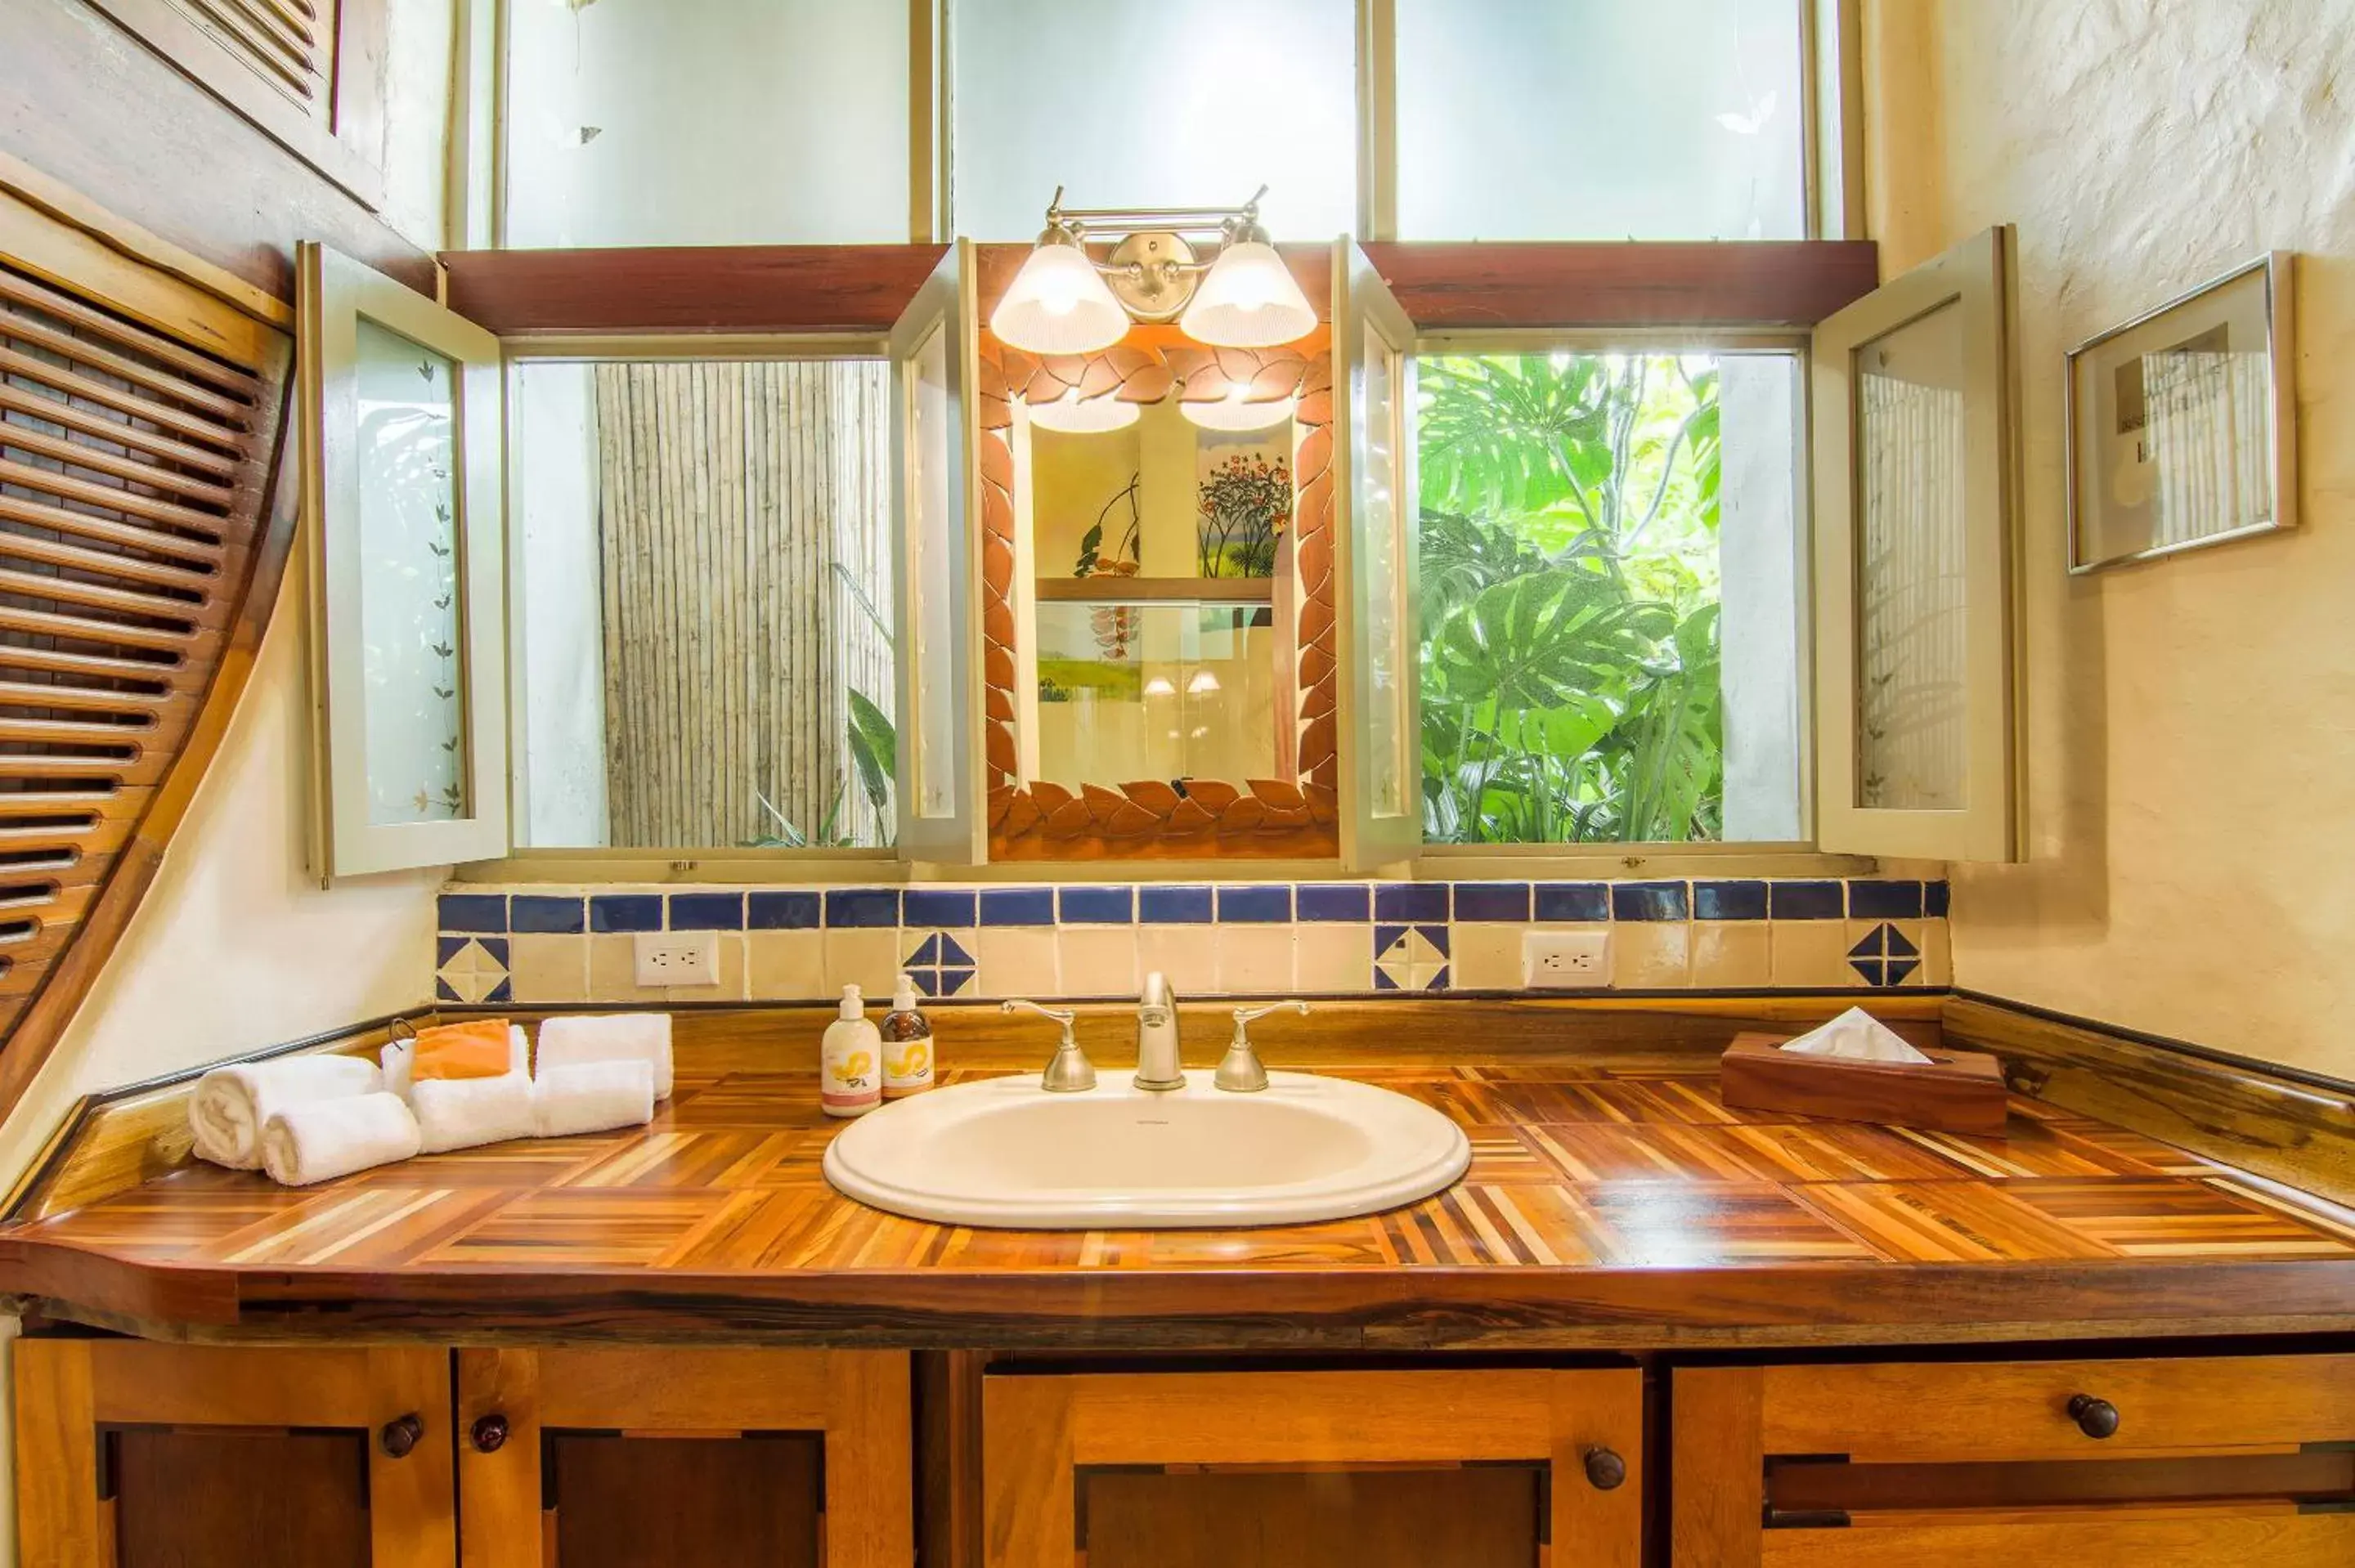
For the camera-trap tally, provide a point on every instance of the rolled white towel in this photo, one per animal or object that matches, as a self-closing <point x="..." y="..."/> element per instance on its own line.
<point x="592" y="1097"/>
<point x="399" y="1058"/>
<point x="567" y="1041"/>
<point x="459" y="1113"/>
<point x="233" y="1104"/>
<point x="319" y="1140"/>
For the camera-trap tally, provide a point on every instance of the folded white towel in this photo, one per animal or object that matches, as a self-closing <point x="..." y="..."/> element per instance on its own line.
<point x="567" y="1041"/>
<point x="592" y="1097"/>
<point x="399" y="1058"/>
<point x="459" y="1113"/>
<point x="233" y="1104"/>
<point x="318" y="1140"/>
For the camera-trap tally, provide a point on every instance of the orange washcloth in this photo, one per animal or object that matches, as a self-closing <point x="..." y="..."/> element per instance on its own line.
<point x="477" y="1049"/>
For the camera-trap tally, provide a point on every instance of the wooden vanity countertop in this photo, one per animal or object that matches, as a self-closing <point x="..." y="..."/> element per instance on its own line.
<point x="1614" y="1201"/>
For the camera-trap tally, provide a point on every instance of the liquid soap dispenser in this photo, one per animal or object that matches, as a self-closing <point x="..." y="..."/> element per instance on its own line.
<point x="907" y="1044"/>
<point x="850" y="1061"/>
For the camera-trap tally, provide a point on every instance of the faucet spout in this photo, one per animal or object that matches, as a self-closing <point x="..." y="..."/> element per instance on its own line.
<point x="1157" y="1066"/>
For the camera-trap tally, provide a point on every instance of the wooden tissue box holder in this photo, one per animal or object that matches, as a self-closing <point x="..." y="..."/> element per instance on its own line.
<point x="1954" y="1091"/>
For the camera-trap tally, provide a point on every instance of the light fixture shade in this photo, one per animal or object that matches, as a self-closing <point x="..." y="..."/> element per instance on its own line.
<point x="1247" y="300"/>
<point x="1074" y="415"/>
<point x="1057" y="304"/>
<point x="1231" y="414"/>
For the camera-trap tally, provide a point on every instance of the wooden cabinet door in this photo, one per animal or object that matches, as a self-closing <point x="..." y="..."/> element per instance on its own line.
<point x="1351" y="1470"/>
<point x="134" y="1455"/>
<point x="2214" y="1460"/>
<point x="630" y="1458"/>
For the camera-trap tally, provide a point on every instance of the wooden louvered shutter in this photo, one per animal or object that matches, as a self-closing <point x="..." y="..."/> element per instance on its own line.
<point x="138" y="420"/>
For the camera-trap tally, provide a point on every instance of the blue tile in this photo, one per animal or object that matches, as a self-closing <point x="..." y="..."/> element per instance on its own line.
<point x="927" y="953"/>
<point x="496" y="946"/>
<point x="1382" y="982"/>
<point x="473" y="911"/>
<point x="784" y="912"/>
<point x="446" y="948"/>
<point x="1437" y="937"/>
<point x="1411" y="901"/>
<point x="1873" y="972"/>
<point x="953" y="952"/>
<point x="707" y="911"/>
<point x="1097" y="905"/>
<point x="954" y="981"/>
<point x="1729" y="900"/>
<point x="1440" y="980"/>
<point x="1899" y="946"/>
<point x="1492" y="901"/>
<point x="927" y="981"/>
<point x="1385" y="938"/>
<point x="1806" y="900"/>
<point x="543" y="913"/>
<point x="1935" y="900"/>
<point x="1884" y="900"/>
<point x="626" y="912"/>
<point x="444" y="991"/>
<point x="1333" y="901"/>
<point x="1017" y="906"/>
<point x="505" y="991"/>
<point x="937" y="907"/>
<point x="1647" y="901"/>
<point x="1900" y="968"/>
<point x="1173" y="906"/>
<point x="1574" y="901"/>
<point x="862" y="907"/>
<point x="1261" y="905"/>
<point x="1871" y="945"/>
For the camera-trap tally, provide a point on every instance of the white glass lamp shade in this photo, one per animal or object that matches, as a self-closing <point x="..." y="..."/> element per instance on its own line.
<point x="1248" y="300"/>
<point x="1233" y="415"/>
<point x="1074" y="415"/>
<point x="1057" y="304"/>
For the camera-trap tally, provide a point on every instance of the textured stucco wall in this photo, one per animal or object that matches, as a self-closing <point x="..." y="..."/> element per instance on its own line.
<point x="2192" y="720"/>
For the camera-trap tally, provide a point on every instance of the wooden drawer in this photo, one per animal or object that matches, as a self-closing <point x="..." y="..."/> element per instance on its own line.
<point x="1952" y="1412"/>
<point x="2210" y="1536"/>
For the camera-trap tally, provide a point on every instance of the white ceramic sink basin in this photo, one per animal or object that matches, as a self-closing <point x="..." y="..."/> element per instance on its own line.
<point x="1005" y="1152"/>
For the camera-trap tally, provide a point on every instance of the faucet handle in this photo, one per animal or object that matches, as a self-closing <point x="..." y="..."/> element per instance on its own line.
<point x="1240" y="1072"/>
<point x="1069" y="1071"/>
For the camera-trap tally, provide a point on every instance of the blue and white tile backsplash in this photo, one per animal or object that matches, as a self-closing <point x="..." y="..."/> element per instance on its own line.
<point x="538" y="944"/>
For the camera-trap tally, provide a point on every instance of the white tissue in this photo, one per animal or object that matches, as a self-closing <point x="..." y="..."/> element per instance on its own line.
<point x="1856" y="1036"/>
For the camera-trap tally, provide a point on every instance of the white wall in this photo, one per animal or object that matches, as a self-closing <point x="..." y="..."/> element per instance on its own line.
<point x="558" y="599"/>
<point x="1759" y="576"/>
<point x="2193" y="756"/>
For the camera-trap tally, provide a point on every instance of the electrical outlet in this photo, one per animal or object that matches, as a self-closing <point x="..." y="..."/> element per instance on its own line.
<point x="1565" y="961"/>
<point x="678" y="957"/>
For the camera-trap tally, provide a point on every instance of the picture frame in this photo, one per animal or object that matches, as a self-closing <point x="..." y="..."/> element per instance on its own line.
<point x="2182" y="423"/>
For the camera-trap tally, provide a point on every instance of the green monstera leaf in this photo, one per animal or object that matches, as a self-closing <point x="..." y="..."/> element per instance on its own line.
<point x="1545" y="641"/>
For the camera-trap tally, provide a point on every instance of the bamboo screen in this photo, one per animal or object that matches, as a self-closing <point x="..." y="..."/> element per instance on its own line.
<point x="745" y="560"/>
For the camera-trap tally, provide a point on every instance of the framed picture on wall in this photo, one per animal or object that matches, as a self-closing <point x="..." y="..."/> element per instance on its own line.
<point x="2182" y="428"/>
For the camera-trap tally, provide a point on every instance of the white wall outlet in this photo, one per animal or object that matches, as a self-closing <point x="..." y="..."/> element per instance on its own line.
<point x="678" y="957"/>
<point x="1565" y="961"/>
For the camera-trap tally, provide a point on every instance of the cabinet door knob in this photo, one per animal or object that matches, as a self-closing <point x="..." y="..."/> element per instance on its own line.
<point x="490" y="1432"/>
<point x="2094" y="1417"/>
<point x="399" y="1437"/>
<point x="1606" y="1471"/>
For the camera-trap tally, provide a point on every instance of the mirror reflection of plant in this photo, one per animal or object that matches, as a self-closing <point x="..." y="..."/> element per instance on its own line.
<point x="1569" y="507"/>
<point x="1244" y="506"/>
<point x="872" y="741"/>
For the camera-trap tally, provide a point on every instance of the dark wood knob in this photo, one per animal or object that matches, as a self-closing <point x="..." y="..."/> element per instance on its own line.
<point x="399" y="1437"/>
<point x="490" y="1432"/>
<point x="2094" y="1417"/>
<point x="1606" y="1471"/>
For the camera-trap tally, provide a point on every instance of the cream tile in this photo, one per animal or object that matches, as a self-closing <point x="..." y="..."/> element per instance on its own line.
<point x="1018" y="961"/>
<point x="1651" y="955"/>
<point x="548" y="969"/>
<point x="1937" y="953"/>
<point x="1485" y="956"/>
<point x="1730" y="953"/>
<point x="1333" y="956"/>
<point x="865" y="955"/>
<point x="1188" y="955"/>
<point x="1254" y="960"/>
<point x="785" y="965"/>
<point x="613" y="964"/>
<point x="1808" y="953"/>
<point x="1098" y="961"/>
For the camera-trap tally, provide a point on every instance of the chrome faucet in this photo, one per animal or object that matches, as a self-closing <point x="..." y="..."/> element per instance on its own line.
<point x="1069" y="1071"/>
<point x="1157" y="1066"/>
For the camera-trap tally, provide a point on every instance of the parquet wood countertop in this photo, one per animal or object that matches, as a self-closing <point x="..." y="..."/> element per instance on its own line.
<point x="1614" y="1201"/>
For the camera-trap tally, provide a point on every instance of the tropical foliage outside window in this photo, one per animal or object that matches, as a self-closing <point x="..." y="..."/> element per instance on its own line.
<point x="1569" y="599"/>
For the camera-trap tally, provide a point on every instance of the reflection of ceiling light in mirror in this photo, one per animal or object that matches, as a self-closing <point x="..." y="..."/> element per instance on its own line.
<point x="1248" y="300"/>
<point x="1074" y="415"/>
<point x="1231" y="413"/>
<point x="1203" y="684"/>
<point x="1159" y="686"/>
<point x="1057" y="303"/>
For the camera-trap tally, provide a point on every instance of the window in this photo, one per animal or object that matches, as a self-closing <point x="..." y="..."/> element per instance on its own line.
<point x="1601" y="120"/>
<point x="1609" y="589"/>
<point x="1145" y="105"/>
<point x="722" y="123"/>
<point x="703" y="605"/>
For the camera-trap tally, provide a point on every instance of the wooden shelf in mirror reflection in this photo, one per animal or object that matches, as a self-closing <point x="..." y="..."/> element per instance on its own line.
<point x="1157" y="590"/>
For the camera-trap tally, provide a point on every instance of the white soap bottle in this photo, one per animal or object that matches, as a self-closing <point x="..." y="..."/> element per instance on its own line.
<point x="850" y="1061"/>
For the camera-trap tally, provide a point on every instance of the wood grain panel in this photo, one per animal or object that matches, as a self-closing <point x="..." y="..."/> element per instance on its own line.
<point x="239" y="1499"/>
<point x="689" y="289"/>
<point x="2218" y="1538"/>
<point x="1716" y="1467"/>
<point x="627" y="1503"/>
<point x="1481" y="284"/>
<point x="1468" y="1518"/>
